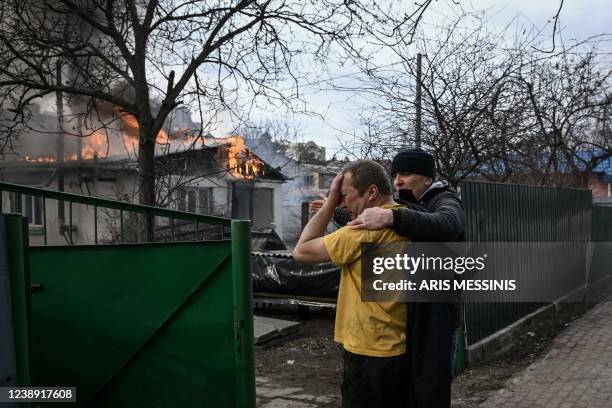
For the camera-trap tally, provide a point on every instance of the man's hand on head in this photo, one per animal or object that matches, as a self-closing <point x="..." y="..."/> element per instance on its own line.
<point x="311" y="246"/>
<point x="335" y="196"/>
<point x="372" y="219"/>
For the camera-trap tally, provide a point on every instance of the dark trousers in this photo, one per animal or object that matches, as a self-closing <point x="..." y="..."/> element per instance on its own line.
<point x="374" y="382"/>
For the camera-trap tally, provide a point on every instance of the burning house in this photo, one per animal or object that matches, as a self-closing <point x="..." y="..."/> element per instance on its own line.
<point x="220" y="176"/>
<point x="203" y="174"/>
<point x="84" y="144"/>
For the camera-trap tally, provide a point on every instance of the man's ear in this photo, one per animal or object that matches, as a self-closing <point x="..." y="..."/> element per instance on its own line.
<point x="373" y="192"/>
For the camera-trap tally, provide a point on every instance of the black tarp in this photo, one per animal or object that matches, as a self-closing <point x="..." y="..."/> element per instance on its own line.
<point x="280" y="274"/>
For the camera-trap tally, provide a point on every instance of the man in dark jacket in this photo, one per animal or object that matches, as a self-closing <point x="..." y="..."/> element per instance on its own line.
<point x="433" y="213"/>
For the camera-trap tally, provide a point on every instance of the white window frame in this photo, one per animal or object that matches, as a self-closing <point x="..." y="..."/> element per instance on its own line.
<point x="189" y="199"/>
<point x="31" y="208"/>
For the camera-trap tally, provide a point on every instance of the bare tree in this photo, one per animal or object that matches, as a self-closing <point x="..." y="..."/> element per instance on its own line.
<point x="145" y="58"/>
<point x="466" y="75"/>
<point x="567" y="97"/>
<point x="493" y="107"/>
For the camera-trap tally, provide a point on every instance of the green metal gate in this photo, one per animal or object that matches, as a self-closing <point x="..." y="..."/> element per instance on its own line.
<point x="150" y="325"/>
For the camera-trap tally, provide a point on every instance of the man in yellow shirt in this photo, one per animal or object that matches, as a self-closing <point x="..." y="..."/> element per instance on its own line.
<point x="372" y="334"/>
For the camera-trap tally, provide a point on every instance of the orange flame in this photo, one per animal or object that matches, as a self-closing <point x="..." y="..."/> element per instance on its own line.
<point x="41" y="159"/>
<point x="131" y="127"/>
<point x="95" y="145"/>
<point x="241" y="161"/>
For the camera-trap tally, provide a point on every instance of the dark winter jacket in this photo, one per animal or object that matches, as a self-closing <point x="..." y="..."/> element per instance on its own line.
<point x="437" y="217"/>
<point x="442" y="221"/>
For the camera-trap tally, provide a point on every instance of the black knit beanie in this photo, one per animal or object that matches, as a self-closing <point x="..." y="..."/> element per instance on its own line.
<point x="416" y="161"/>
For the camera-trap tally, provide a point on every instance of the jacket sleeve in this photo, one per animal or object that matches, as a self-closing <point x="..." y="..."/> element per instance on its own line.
<point x="341" y="216"/>
<point x="414" y="206"/>
<point x="445" y="221"/>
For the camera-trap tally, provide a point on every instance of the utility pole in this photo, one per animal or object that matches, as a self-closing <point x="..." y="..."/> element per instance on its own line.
<point x="605" y="130"/>
<point x="59" y="147"/>
<point x="417" y="102"/>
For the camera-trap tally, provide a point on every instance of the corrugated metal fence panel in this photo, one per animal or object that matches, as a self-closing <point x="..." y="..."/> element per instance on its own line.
<point x="602" y="223"/>
<point x="516" y="213"/>
<point x="602" y="233"/>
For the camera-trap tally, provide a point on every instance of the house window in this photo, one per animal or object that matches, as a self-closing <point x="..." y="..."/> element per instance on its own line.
<point x="181" y="199"/>
<point x="205" y="200"/>
<point x="191" y="200"/>
<point x="195" y="200"/>
<point x="31" y="208"/>
<point x="255" y="204"/>
<point x="263" y="208"/>
<point x="325" y="181"/>
<point x="307" y="180"/>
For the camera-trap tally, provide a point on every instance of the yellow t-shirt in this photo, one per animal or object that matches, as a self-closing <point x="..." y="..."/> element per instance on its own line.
<point x="375" y="329"/>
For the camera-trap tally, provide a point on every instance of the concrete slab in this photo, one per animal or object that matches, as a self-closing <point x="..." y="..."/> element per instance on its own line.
<point x="267" y="328"/>
<point x="286" y="403"/>
<point x="270" y="394"/>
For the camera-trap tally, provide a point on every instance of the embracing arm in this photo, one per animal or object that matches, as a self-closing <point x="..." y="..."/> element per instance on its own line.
<point x="444" y="223"/>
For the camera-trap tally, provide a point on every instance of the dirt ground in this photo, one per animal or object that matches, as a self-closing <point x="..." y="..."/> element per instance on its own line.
<point x="311" y="360"/>
<point x="308" y="359"/>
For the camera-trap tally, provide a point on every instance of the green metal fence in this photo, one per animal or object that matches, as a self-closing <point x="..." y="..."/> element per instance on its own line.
<point x="93" y="220"/>
<point x="154" y="324"/>
<point x="602" y="223"/>
<point x="516" y="213"/>
<point x="600" y="268"/>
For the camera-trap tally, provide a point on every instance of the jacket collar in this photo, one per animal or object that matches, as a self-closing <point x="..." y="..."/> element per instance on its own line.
<point x="436" y="187"/>
<point x="406" y="195"/>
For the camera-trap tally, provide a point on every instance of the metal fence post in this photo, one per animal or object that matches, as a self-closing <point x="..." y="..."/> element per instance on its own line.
<point x="243" y="313"/>
<point x="44" y="209"/>
<point x="16" y="234"/>
<point x="460" y="354"/>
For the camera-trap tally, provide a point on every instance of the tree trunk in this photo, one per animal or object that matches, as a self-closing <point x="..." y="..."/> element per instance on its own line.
<point x="146" y="156"/>
<point x="146" y="168"/>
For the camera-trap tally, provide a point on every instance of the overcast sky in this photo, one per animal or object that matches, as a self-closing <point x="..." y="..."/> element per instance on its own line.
<point x="579" y="19"/>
